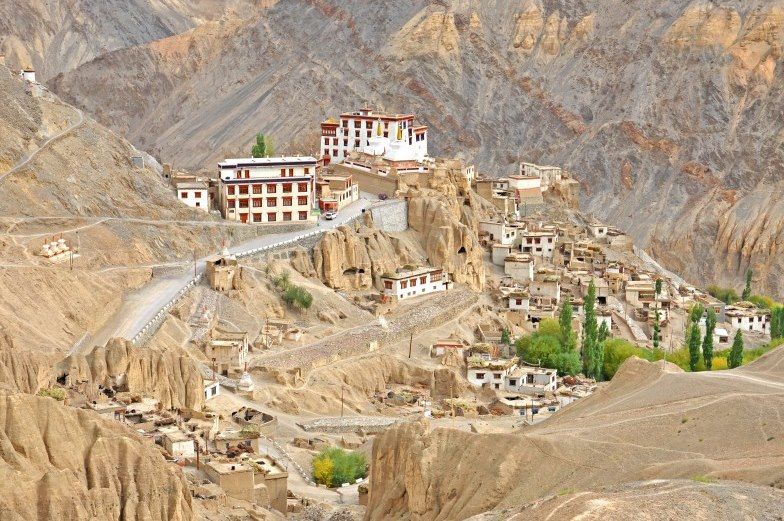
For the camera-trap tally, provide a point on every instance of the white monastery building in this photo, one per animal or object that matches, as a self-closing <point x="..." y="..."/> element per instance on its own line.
<point x="267" y="189"/>
<point x="413" y="283"/>
<point x="393" y="136"/>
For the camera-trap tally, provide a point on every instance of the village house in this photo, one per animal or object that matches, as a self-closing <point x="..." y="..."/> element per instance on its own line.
<point x="519" y="266"/>
<point x="269" y="473"/>
<point x="598" y="229"/>
<point x="235" y="478"/>
<point x="538" y="243"/>
<point x="194" y="193"/>
<point x="496" y="192"/>
<point x="336" y="191"/>
<point x="441" y="347"/>
<point x="498" y="231"/>
<point x="267" y="189"/>
<point x="518" y="300"/>
<point x="223" y="271"/>
<point x="392" y="136"/>
<point x="527" y="190"/>
<point x="211" y="389"/>
<point x="489" y="373"/>
<point x="548" y="175"/>
<point x="408" y="283"/>
<point x="531" y="380"/>
<point x="500" y="252"/>
<point x="227" y="350"/>
<point x="547" y="286"/>
<point x="178" y="444"/>
<point x="748" y="317"/>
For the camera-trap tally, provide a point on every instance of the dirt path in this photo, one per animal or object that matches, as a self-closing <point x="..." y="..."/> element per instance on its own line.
<point x="44" y="145"/>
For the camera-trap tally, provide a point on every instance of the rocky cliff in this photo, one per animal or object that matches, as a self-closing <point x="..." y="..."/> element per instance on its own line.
<point x="170" y="376"/>
<point x="58" y="462"/>
<point x="665" y="110"/>
<point x="651" y="421"/>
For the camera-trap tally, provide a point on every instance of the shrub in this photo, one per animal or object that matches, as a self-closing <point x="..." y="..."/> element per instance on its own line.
<point x="545" y="347"/>
<point x="297" y="296"/>
<point x="726" y="295"/>
<point x="334" y="466"/>
<point x="616" y="351"/>
<point x="53" y="392"/>
<point x="762" y="301"/>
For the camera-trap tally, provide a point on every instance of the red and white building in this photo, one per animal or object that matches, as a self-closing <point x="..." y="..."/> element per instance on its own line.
<point x="195" y="193"/>
<point x="267" y="189"/>
<point x="335" y="192"/>
<point x="393" y="136"/>
<point x="413" y="283"/>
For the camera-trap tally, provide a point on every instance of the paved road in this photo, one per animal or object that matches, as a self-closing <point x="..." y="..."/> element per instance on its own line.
<point x="45" y="144"/>
<point x="141" y="306"/>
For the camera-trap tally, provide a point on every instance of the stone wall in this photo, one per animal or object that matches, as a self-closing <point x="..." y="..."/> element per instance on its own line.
<point x="391" y="216"/>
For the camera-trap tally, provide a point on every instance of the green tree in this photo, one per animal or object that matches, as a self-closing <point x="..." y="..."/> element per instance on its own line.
<point x="505" y="338"/>
<point x="617" y="350"/>
<point x="658" y="287"/>
<point x="334" y="466"/>
<point x="777" y="322"/>
<point x="656" y="329"/>
<point x="747" y="288"/>
<point x="707" y="341"/>
<point x="735" y="358"/>
<point x="592" y="351"/>
<point x="726" y="295"/>
<point x="566" y="332"/>
<point x="260" y="148"/>
<point x="545" y="347"/>
<point x="696" y="312"/>
<point x="694" y="347"/>
<point x="604" y="332"/>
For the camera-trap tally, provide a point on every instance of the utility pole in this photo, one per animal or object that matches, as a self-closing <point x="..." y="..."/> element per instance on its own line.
<point x="410" y="344"/>
<point x="194" y="263"/>
<point x="342" y="388"/>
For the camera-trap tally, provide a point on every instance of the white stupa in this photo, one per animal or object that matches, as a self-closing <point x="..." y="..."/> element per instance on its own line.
<point x="377" y="144"/>
<point x="245" y="384"/>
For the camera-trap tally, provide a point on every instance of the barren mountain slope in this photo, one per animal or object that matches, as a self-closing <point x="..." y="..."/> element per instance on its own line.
<point x="56" y="36"/>
<point x="58" y="462"/>
<point x="651" y="421"/>
<point x="667" y="111"/>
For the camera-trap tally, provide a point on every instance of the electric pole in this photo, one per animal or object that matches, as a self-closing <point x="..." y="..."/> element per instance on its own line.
<point x="410" y="344"/>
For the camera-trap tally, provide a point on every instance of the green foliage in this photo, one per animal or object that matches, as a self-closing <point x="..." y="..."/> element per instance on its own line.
<point x="777" y="322"/>
<point x="545" y="347"/>
<point x="694" y="347"/>
<point x="263" y="146"/>
<point x="566" y="333"/>
<point x="735" y="358"/>
<point x="726" y="295"/>
<point x="57" y="393"/>
<point x="747" y="289"/>
<point x="593" y="353"/>
<point x="298" y="297"/>
<point x="762" y="301"/>
<point x="695" y="313"/>
<point x="616" y="351"/>
<point x="604" y="332"/>
<point x="707" y="341"/>
<point x="334" y="466"/>
<point x="656" y="329"/>
<point x="658" y="287"/>
<point x="505" y="338"/>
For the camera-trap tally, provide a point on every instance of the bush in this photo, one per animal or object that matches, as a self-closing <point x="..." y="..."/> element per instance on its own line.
<point x="545" y="347"/>
<point x="297" y="296"/>
<point x="726" y="295"/>
<point x="762" y="301"/>
<point x="616" y="351"/>
<point x="53" y="392"/>
<point x="334" y="466"/>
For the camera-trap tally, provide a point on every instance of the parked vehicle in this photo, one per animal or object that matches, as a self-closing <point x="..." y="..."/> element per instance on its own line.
<point x="330" y="214"/>
<point x="382" y="196"/>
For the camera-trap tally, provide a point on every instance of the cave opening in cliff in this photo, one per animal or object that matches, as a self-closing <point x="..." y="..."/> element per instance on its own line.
<point x="461" y="250"/>
<point x="61" y="379"/>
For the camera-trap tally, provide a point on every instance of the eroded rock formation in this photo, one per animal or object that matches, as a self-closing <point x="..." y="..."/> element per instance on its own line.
<point x="170" y="376"/>
<point x="58" y="462"/>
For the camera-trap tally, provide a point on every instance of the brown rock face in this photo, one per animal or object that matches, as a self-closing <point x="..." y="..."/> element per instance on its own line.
<point x="356" y="257"/>
<point x="58" y="462"/>
<point x="449" y="235"/>
<point x="170" y="376"/>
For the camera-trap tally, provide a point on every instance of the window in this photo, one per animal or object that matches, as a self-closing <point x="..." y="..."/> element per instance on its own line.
<point x="198" y="205"/>
<point x="303" y="216"/>
<point x="334" y="152"/>
<point x="271" y="201"/>
<point x="302" y="187"/>
<point x="282" y="172"/>
<point x="256" y="217"/>
<point x="387" y="284"/>
<point x="302" y="200"/>
<point x="480" y="376"/>
<point x="413" y="282"/>
<point x="403" y="284"/>
<point x="243" y="203"/>
<point x="287" y="201"/>
<point x="197" y="195"/>
<point x="286" y="216"/>
<point x="368" y="134"/>
<point x="307" y="170"/>
<point x="271" y="217"/>
<point x="230" y="202"/>
<point x="291" y="172"/>
<point x="271" y="189"/>
<point x="231" y="190"/>
<point x="256" y="189"/>
<point x="423" y="280"/>
<point x="326" y="141"/>
<point x="512" y="382"/>
<point x="335" y="141"/>
<point x="286" y="188"/>
<point x="257" y="203"/>
<point x="184" y="195"/>
<point x="243" y="189"/>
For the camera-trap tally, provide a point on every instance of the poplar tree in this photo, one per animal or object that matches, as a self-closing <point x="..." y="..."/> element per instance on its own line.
<point x="735" y="358"/>
<point x="656" y="330"/>
<point x="694" y="347"/>
<point x="593" y="355"/>
<point x="260" y="148"/>
<point x="565" y="323"/>
<point x="747" y="289"/>
<point x="707" y="342"/>
<point x="604" y="332"/>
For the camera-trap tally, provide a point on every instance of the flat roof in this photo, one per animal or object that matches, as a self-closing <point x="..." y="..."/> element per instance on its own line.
<point x="410" y="273"/>
<point x="267" y="161"/>
<point x="228" y="467"/>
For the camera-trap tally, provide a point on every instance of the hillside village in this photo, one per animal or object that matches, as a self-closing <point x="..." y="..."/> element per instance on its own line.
<point x="378" y="286"/>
